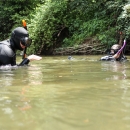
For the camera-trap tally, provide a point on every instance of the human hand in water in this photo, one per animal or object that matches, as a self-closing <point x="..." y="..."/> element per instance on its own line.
<point x="34" y="57"/>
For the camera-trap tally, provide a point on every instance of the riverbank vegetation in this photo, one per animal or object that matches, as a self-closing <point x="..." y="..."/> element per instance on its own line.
<point x="58" y="25"/>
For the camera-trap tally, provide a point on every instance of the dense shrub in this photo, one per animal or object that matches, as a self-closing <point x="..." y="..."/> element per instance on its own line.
<point x="12" y="12"/>
<point x="44" y="22"/>
<point x="82" y="18"/>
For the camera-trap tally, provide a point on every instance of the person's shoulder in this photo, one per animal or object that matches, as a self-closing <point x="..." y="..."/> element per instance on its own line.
<point x="6" y="42"/>
<point x="6" y="48"/>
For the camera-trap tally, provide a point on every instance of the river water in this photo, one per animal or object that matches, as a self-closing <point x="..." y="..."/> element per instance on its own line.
<point x="61" y="94"/>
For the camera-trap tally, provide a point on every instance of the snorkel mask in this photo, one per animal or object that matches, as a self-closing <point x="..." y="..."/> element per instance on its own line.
<point x="114" y="49"/>
<point x="20" y="35"/>
<point x="26" y="41"/>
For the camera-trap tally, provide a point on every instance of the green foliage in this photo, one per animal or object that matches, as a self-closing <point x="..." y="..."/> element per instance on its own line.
<point x="108" y="37"/>
<point x="44" y="21"/>
<point x="86" y="29"/>
<point x="93" y="19"/>
<point x="83" y="18"/>
<point x="12" y="12"/>
<point x="124" y="22"/>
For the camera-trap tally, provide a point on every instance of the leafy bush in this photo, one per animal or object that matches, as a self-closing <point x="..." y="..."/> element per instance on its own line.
<point x="83" y="18"/>
<point x="123" y="20"/>
<point x="44" y="21"/>
<point x="86" y="29"/>
<point x="12" y="12"/>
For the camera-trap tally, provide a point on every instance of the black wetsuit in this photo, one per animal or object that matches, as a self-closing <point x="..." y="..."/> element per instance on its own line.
<point x="110" y="58"/>
<point x="8" y="54"/>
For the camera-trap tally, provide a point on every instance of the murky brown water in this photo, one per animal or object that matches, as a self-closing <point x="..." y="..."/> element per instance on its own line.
<point x="60" y="94"/>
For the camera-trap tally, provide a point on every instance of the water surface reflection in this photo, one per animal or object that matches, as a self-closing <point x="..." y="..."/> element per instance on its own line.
<point x="58" y="94"/>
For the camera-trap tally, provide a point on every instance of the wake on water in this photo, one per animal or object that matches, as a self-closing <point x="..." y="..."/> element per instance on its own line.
<point x="8" y="67"/>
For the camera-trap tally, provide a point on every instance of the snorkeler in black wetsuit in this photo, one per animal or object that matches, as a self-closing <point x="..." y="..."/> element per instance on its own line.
<point x="114" y="55"/>
<point x="18" y="41"/>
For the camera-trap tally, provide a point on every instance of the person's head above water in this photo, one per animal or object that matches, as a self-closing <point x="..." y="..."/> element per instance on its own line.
<point x="20" y="36"/>
<point x="114" y="49"/>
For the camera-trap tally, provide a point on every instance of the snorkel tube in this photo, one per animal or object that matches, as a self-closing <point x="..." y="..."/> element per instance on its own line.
<point x="25" y="49"/>
<point x="117" y="55"/>
<point x="122" y="47"/>
<point x="24" y="24"/>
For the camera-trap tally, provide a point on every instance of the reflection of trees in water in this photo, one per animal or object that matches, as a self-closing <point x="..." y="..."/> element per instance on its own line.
<point x="6" y="79"/>
<point x="35" y="75"/>
<point x="34" y="78"/>
<point x="20" y="81"/>
<point x="117" y="69"/>
<point x="6" y="75"/>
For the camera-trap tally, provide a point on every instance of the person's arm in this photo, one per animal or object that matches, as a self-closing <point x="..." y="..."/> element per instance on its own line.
<point x="107" y="58"/>
<point x="28" y="59"/>
<point x="24" y="62"/>
<point x="116" y="56"/>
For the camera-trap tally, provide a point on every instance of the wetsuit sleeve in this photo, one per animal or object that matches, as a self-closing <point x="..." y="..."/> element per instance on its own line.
<point x="107" y="58"/>
<point x="24" y="62"/>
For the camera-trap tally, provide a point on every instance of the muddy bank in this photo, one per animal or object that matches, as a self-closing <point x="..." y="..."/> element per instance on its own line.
<point x="80" y="50"/>
<point x="89" y="46"/>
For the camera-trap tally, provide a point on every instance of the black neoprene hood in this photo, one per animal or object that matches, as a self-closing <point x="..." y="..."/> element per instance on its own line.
<point x="16" y="36"/>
